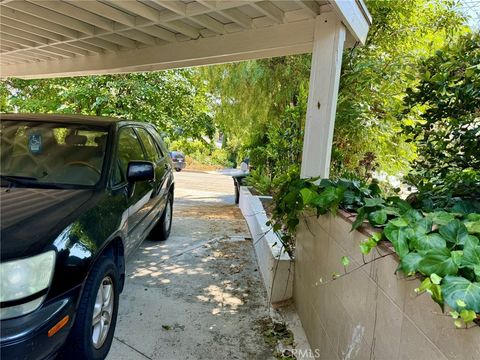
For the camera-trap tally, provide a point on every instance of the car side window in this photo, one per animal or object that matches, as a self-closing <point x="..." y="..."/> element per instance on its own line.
<point x="128" y="149"/>
<point x="149" y="144"/>
<point x="159" y="143"/>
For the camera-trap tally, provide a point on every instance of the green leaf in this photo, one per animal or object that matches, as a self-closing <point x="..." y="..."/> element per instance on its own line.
<point x="399" y="222"/>
<point x="361" y="216"/>
<point x="324" y="183"/>
<point x="412" y="215"/>
<point x="473" y="227"/>
<point x="399" y="203"/>
<point x="468" y="315"/>
<point x="438" y="261"/>
<point x="372" y="242"/>
<point x="471" y="256"/>
<point x="426" y="283"/>
<point x="440" y="217"/>
<point x="476" y="270"/>
<point x="458" y="324"/>
<point x="454" y="314"/>
<point x="349" y="197"/>
<point x="436" y="292"/>
<point x="308" y="196"/>
<point x="365" y="248"/>
<point x="457" y="257"/>
<point x="328" y="197"/>
<point x="423" y="226"/>
<point x="376" y="236"/>
<point x="372" y="202"/>
<point x="409" y="263"/>
<point x="433" y="289"/>
<point x="455" y="288"/>
<point x="435" y="279"/>
<point x="378" y="217"/>
<point x="398" y="237"/>
<point x="391" y="211"/>
<point x="374" y="189"/>
<point x="464" y="207"/>
<point x="430" y="241"/>
<point x="454" y="232"/>
<point x="345" y="261"/>
<point x="471" y="241"/>
<point x="473" y="217"/>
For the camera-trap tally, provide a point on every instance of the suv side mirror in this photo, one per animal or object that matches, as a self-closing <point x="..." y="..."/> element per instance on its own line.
<point x="140" y="171"/>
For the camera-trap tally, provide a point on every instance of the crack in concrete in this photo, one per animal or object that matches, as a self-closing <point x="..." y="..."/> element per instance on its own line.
<point x="131" y="347"/>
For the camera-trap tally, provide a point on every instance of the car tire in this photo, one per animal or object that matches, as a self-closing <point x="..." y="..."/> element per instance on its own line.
<point x="161" y="230"/>
<point x="178" y="169"/>
<point x="87" y="341"/>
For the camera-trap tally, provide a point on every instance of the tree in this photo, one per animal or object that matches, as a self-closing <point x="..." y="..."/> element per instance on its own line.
<point x="375" y="78"/>
<point x="175" y="101"/>
<point x="255" y="99"/>
<point x="261" y="109"/>
<point x="443" y="117"/>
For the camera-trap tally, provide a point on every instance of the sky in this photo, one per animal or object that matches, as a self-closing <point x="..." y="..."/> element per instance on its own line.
<point x="471" y="8"/>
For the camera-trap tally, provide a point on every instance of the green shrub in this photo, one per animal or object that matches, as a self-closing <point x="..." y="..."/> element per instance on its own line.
<point x="259" y="181"/>
<point x="443" y="118"/>
<point x="441" y="247"/>
<point x="201" y="152"/>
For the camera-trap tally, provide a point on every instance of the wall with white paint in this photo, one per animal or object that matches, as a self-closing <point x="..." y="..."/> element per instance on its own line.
<point x="274" y="263"/>
<point x="370" y="312"/>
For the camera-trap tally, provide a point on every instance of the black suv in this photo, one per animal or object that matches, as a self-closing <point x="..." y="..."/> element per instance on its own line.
<point x="78" y="195"/>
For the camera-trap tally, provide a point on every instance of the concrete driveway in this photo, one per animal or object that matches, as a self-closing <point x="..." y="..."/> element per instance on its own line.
<point x="197" y="295"/>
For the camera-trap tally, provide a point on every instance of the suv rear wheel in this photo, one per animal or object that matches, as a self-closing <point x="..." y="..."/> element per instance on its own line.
<point x="161" y="230"/>
<point x="92" y="332"/>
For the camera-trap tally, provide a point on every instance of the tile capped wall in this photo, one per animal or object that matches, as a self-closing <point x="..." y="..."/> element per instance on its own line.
<point x="371" y="312"/>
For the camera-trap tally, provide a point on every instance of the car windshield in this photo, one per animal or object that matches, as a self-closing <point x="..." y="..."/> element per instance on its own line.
<point x="177" y="155"/>
<point x="42" y="153"/>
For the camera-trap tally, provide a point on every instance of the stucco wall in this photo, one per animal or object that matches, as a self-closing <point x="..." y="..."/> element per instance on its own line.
<point x="274" y="263"/>
<point x="370" y="313"/>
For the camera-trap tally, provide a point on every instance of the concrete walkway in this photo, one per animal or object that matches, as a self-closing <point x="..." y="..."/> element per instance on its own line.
<point x="199" y="294"/>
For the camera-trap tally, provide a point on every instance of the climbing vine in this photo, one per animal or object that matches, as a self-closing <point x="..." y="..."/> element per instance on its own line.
<point x="442" y="247"/>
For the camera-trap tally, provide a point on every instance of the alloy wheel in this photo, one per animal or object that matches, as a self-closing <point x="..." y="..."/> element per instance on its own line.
<point x="102" y="312"/>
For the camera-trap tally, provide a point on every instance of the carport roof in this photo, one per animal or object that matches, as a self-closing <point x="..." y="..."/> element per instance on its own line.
<point x="69" y="119"/>
<point x="48" y="38"/>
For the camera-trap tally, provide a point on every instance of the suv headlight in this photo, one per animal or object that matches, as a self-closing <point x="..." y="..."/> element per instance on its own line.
<point x="20" y="279"/>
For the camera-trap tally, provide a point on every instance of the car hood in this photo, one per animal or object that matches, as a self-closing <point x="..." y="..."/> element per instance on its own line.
<point x="32" y="218"/>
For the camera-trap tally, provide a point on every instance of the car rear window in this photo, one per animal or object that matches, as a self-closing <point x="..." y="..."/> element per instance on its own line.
<point x="149" y="144"/>
<point x="129" y="148"/>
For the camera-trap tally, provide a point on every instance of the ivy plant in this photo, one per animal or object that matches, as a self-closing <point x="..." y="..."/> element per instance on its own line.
<point x="441" y="247"/>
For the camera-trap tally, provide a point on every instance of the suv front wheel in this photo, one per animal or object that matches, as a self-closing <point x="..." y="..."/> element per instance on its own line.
<point x="92" y="332"/>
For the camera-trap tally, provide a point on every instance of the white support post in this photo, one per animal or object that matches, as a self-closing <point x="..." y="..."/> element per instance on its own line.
<point x="328" y="44"/>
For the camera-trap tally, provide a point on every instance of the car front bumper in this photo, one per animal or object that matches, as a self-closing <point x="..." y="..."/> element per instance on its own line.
<point x="26" y="337"/>
<point x="179" y="165"/>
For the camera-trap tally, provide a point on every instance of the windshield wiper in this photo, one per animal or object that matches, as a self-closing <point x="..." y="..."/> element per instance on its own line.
<point x="30" y="181"/>
<point x="18" y="179"/>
